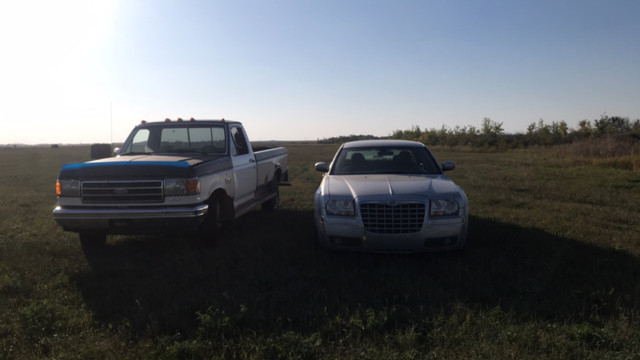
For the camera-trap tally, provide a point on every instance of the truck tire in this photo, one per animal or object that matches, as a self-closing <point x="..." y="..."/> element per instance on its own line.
<point x="272" y="204"/>
<point x="212" y="225"/>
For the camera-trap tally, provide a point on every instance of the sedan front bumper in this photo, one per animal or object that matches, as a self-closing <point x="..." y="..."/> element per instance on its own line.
<point x="340" y="233"/>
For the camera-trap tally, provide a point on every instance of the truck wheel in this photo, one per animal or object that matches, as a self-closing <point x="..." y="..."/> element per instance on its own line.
<point x="212" y="225"/>
<point x="92" y="240"/>
<point x="272" y="204"/>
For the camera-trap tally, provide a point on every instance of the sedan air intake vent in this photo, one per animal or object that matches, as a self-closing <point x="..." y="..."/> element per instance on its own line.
<point x="393" y="217"/>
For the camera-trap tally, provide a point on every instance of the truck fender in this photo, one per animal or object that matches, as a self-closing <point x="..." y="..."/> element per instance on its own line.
<point x="226" y="204"/>
<point x="277" y="176"/>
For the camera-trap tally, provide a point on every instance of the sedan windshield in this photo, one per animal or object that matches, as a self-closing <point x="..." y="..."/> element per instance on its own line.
<point x="385" y="160"/>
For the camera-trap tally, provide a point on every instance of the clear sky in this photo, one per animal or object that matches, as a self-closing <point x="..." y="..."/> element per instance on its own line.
<point x="89" y="71"/>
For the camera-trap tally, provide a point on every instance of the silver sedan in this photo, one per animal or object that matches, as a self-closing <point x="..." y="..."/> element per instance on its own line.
<point x="389" y="196"/>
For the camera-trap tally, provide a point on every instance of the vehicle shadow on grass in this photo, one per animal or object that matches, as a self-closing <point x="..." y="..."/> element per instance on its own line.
<point x="264" y="275"/>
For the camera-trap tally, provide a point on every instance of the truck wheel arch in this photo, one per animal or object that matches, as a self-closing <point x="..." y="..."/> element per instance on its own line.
<point x="277" y="176"/>
<point x="225" y="202"/>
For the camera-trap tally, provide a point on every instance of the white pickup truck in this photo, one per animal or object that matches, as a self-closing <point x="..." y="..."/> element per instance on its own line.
<point x="182" y="175"/>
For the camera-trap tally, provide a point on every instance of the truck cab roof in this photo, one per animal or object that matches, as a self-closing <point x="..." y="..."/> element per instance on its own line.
<point x="181" y="122"/>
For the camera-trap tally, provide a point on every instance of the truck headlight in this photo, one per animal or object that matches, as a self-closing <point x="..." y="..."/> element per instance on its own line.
<point x="340" y="207"/>
<point x="174" y="187"/>
<point x="444" y="208"/>
<point x="68" y="188"/>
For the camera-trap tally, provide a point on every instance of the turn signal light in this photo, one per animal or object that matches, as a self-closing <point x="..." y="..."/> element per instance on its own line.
<point x="193" y="186"/>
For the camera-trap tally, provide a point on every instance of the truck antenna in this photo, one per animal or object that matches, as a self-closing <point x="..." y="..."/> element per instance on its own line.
<point x="111" y="108"/>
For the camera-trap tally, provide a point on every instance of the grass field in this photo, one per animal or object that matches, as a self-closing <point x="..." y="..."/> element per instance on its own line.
<point x="552" y="271"/>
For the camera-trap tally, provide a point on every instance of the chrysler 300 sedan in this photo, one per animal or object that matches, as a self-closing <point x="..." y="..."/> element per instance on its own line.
<point x="389" y="196"/>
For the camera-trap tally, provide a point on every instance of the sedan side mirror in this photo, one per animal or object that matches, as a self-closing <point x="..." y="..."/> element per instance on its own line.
<point x="322" y="167"/>
<point x="448" y="165"/>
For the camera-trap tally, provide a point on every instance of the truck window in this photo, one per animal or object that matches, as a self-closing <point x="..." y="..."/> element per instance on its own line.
<point x="207" y="139"/>
<point x="139" y="143"/>
<point x="174" y="139"/>
<point x="188" y="139"/>
<point x="239" y="142"/>
<point x="193" y="139"/>
<point x="219" y="139"/>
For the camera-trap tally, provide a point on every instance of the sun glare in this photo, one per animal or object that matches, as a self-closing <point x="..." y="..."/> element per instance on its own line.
<point x="51" y="55"/>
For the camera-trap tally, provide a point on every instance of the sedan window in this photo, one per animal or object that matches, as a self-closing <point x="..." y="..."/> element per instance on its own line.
<point x="385" y="160"/>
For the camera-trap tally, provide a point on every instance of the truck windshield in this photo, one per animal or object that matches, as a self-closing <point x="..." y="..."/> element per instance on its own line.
<point x="385" y="160"/>
<point x="187" y="139"/>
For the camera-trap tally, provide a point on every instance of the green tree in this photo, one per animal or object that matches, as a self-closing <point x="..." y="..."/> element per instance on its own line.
<point x="490" y="127"/>
<point x="585" y="129"/>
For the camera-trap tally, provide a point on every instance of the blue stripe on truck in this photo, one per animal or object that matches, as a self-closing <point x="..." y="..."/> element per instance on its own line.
<point x="178" y="164"/>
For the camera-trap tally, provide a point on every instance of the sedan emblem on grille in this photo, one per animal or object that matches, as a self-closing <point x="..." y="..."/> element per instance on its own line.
<point x="120" y="191"/>
<point x="392" y="203"/>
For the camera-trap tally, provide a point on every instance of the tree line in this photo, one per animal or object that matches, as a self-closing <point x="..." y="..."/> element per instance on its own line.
<point x="491" y="134"/>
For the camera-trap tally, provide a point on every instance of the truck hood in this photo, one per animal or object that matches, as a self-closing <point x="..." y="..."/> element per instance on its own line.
<point x="390" y="186"/>
<point x="141" y="167"/>
<point x="149" y="158"/>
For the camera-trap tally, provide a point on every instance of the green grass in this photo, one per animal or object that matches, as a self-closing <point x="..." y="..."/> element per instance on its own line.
<point x="552" y="270"/>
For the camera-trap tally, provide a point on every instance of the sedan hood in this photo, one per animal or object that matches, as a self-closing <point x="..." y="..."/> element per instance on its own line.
<point x="387" y="186"/>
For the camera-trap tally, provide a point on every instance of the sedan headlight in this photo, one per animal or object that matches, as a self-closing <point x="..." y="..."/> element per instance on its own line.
<point x="174" y="187"/>
<point x="68" y="188"/>
<point x="444" y="208"/>
<point x="340" y="207"/>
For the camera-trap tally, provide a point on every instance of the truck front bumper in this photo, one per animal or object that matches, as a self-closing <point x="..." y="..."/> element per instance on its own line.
<point x="130" y="220"/>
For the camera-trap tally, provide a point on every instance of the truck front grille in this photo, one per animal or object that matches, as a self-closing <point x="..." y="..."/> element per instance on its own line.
<point x="392" y="218"/>
<point x="117" y="192"/>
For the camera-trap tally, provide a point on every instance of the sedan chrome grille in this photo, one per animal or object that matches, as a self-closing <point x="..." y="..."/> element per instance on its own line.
<point x="116" y="192"/>
<point x="393" y="217"/>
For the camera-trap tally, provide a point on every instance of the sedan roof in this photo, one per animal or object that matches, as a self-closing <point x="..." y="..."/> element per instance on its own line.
<point x="377" y="143"/>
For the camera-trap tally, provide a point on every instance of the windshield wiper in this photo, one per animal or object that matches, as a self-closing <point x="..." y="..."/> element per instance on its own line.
<point x="185" y="151"/>
<point x="194" y="151"/>
<point x="136" y="153"/>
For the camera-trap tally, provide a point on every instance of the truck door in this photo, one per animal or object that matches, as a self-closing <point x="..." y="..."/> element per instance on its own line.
<point x="244" y="166"/>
